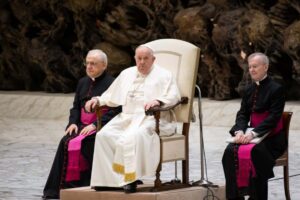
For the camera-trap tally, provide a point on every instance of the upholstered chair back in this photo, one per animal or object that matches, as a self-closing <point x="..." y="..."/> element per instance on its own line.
<point x="182" y="59"/>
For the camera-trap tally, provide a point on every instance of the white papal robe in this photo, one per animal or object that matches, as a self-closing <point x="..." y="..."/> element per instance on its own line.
<point x="127" y="148"/>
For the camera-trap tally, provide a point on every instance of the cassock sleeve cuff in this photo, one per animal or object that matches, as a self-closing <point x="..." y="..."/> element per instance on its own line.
<point x="236" y="132"/>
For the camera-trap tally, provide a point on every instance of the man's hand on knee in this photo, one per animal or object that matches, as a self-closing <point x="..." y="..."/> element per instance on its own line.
<point x="86" y="130"/>
<point x="72" y="128"/>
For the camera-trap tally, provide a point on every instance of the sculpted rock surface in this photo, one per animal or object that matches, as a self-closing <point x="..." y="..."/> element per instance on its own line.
<point x="43" y="43"/>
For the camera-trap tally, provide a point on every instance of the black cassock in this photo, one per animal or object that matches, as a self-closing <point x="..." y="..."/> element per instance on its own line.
<point x="268" y="96"/>
<point x="86" y="89"/>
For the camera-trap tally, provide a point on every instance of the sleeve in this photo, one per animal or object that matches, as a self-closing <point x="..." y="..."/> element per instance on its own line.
<point x="74" y="117"/>
<point x="107" y="98"/>
<point x="242" y="116"/>
<point x="171" y="94"/>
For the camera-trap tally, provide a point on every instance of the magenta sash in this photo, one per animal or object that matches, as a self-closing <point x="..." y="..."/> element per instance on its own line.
<point x="76" y="161"/>
<point x="246" y="168"/>
<point x="257" y="118"/>
<point x="87" y="118"/>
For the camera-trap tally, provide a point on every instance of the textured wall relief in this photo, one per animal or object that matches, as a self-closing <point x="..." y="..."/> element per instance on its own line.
<point x="43" y="43"/>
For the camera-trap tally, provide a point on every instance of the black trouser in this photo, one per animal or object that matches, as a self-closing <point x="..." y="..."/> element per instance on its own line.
<point x="263" y="157"/>
<point x="56" y="177"/>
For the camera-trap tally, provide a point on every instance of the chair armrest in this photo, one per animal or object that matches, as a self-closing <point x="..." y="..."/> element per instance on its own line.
<point x="98" y="110"/>
<point x="153" y="110"/>
<point x="157" y="109"/>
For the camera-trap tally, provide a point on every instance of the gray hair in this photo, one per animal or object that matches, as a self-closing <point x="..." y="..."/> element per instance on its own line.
<point x="100" y="53"/>
<point x="262" y="57"/>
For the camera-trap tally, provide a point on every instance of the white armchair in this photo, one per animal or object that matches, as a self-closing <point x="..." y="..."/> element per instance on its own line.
<point x="182" y="59"/>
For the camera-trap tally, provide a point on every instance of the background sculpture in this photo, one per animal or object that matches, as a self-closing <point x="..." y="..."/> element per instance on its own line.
<point x="43" y="43"/>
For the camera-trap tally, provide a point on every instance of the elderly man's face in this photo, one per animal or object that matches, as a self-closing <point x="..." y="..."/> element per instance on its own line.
<point x="257" y="68"/>
<point x="94" y="66"/>
<point x="144" y="60"/>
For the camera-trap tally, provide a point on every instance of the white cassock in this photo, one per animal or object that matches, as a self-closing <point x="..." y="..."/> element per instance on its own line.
<point x="127" y="148"/>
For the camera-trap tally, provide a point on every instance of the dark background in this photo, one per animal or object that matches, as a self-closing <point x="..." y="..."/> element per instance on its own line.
<point x="43" y="43"/>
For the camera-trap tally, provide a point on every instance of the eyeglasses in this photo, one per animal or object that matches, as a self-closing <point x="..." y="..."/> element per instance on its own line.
<point x="90" y="63"/>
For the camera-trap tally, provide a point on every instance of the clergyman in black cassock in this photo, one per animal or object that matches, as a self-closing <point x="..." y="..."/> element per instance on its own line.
<point x="264" y="95"/>
<point x="88" y="87"/>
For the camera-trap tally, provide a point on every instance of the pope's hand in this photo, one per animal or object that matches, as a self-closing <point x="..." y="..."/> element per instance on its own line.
<point x="90" y="105"/>
<point x="151" y="104"/>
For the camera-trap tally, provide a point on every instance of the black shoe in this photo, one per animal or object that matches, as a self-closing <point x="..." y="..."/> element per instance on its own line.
<point x="45" y="197"/>
<point x="139" y="182"/>
<point x="130" y="188"/>
<point x="98" y="188"/>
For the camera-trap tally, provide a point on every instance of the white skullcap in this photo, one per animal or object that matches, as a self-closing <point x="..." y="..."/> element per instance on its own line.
<point x="145" y="45"/>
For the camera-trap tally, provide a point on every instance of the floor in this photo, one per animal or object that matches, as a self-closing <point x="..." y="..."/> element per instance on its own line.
<point x="33" y="123"/>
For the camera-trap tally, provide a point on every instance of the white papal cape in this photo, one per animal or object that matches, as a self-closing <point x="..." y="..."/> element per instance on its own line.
<point x="127" y="147"/>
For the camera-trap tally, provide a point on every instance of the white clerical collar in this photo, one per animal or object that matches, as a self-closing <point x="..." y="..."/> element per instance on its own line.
<point x="257" y="82"/>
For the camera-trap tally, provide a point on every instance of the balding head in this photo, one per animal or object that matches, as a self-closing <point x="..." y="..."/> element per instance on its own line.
<point x="96" y="63"/>
<point x="97" y="53"/>
<point x="258" y="64"/>
<point x="264" y="59"/>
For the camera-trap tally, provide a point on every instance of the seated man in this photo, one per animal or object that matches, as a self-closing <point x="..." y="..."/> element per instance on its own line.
<point x="128" y="148"/>
<point x="74" y="156"/>
<point x="248" y="167"/>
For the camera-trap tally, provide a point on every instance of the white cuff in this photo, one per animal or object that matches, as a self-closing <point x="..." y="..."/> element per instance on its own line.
<point x="236" y="132"/>
<point x="254" y="134"/>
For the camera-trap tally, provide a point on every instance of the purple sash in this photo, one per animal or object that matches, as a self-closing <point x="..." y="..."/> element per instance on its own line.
<point x="76" y="161"/>
<point x="246" y="168"/>
<point x="257" y="118"/>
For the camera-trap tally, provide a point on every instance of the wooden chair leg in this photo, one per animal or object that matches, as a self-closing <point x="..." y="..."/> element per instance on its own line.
<point x="157" y="182"/>
<point x="185" y="163"/>
<point x="286" y="182"/>
<point x="185" y="175"/>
